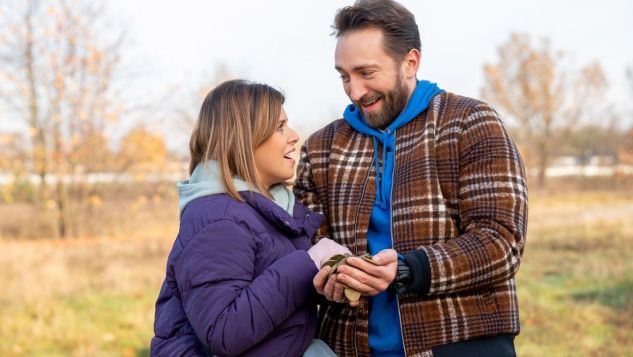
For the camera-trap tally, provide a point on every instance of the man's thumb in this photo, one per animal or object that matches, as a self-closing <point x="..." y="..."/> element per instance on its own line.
<point x="385" y="256"/>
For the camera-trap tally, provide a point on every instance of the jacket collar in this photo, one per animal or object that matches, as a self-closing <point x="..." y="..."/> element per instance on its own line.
<point x="301" y="222"/>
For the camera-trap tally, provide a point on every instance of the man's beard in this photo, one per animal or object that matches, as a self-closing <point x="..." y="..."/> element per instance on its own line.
<point x="393" y="104"/>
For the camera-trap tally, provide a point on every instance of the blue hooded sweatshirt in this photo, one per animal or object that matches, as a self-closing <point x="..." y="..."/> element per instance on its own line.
<point x="385" y="338"/>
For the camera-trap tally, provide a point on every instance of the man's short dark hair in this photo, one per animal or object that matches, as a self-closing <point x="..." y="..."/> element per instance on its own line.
<point x="400" y="32"/>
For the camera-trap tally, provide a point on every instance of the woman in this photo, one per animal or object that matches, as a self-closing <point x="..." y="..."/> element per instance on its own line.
<point x="239" y="276"/>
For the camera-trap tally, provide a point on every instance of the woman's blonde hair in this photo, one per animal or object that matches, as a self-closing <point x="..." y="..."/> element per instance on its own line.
<point x="236" y="117"/>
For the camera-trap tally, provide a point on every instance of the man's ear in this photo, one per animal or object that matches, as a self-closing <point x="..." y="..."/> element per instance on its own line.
<point x="412" y="63"/>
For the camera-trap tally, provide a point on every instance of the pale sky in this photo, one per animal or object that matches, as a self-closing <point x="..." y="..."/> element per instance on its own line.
<point x="287" y="43"/>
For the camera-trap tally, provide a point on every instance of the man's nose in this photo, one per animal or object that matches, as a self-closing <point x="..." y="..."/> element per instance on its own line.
<point x="357" y="89"/>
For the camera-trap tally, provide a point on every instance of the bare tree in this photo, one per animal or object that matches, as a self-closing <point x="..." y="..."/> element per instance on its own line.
<point x="626" y="152"/>
<point x="625" y="155"/>
<point x="20" y="79"/>
<point x="185" y="109"/>
<point x="59" y="61"/>
<point x="178" y="110"/>
<point x="585" y="103"/>
<point x="530" y="84"/>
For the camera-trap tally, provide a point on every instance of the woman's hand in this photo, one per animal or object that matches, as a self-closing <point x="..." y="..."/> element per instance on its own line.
<point x="324" y="249"/>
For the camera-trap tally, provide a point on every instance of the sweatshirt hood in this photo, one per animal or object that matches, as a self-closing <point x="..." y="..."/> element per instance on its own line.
<point x="419" y="101"/>
<point x="205" y="181"/>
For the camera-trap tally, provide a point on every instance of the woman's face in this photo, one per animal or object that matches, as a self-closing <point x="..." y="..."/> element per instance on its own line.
<point x="274" y="157"/>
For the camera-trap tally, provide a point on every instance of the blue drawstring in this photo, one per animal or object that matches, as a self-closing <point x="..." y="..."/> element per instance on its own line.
<point x="381" y="192"/>
<point x="378" y="174"/>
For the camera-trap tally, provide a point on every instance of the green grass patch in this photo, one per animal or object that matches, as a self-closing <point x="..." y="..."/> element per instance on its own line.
<point x="96" y="324"/>
<point x="618" y="297"/>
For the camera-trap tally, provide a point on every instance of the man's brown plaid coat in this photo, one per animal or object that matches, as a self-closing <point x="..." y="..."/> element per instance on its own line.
<point x="459" y="193"/>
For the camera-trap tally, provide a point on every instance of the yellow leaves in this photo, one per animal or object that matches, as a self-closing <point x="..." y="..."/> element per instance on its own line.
<point x="143" y="201"/>
<point x="83" y="115"/>
<point x="143" y="151"/>
<point x="593" y="76"/>
<point x="112" y="116"/>
<point x="95" y="60"/>
<point x="6" y="193"/>
<point x="95" y="55"/>
<point x="95" y="201"/>
<point x="39" y="152"/>
<point x="91" y="151"/>
<point x="52" y="10"/>
<point x="58" y="83"/>
<point x="50" y="204"/>
<point x="17" y="163"/>
<point x="17" y="349"/>
<point x="139" y="177"/>
<point x="128" y="352"/>
<point x="139" y="203"/>
<point x="74" y="139"/>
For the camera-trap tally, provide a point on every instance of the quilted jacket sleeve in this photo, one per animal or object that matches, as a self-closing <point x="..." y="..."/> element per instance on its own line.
<point x="229" y="308"/>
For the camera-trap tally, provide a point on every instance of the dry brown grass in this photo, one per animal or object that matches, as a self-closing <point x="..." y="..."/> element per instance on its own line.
<point x="95" y="296"/>
<point x="79" y="297"/>
<point x="112" y="211"/>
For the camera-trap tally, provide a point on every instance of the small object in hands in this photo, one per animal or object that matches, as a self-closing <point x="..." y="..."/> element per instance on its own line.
<point x="334" y="260"/>
<point x="340" y="259"/>
<point x="351" y="294"/>
<point x="367" y="257"/>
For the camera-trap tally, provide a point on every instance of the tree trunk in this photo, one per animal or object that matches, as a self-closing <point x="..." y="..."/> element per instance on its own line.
<point x="62" y="209"/>
<point x="38" y="141"/>
<point x="543" y="161"/>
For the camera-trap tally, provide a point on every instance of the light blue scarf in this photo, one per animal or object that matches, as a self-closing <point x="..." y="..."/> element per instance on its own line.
<point x="205" y="181"/>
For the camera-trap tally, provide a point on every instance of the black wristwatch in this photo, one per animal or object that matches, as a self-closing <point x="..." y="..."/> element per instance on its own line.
<point x="403" y="278"/>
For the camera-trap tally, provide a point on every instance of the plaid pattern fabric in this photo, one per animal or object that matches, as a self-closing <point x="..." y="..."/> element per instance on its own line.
<point x="459" y="193"/>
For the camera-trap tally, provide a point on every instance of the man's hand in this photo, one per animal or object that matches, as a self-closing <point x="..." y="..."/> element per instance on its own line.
<point x="367" y="278"/>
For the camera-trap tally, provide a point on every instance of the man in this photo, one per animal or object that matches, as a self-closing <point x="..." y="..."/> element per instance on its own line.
<point x="428" y="182"/>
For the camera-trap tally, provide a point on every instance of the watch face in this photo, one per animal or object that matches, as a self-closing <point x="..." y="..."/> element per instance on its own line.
<point x="403" y="278"/>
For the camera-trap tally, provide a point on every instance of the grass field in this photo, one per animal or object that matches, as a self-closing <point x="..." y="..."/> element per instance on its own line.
<point x="576" y="281"/>
<point x="94" y="297"/>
